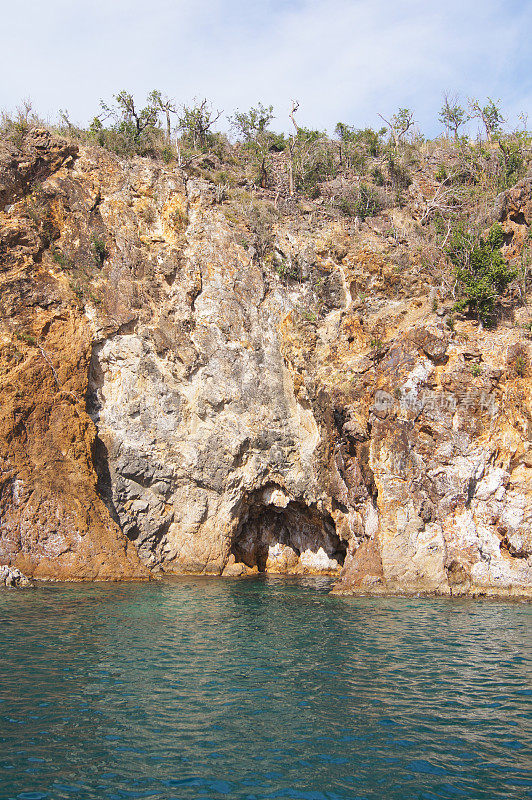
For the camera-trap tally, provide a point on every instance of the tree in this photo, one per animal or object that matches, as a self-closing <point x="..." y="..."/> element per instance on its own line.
<point x="165" y="106"/>
<point x="253" y="124"/>
<point x="452" y="115"/>
<point x="400" y="124"/>
<point x="355" y="144"/>
<point x="141" y="118"/>
<point x="490" y="115"/>
<point x="133" y="129"/>
<point x="196" y="123"/>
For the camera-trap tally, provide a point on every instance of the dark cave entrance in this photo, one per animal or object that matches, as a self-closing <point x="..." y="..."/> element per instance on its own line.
<point x="287" y="537"/>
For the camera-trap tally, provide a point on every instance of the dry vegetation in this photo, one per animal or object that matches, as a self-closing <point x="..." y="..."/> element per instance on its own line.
<point x="437" y="198"/>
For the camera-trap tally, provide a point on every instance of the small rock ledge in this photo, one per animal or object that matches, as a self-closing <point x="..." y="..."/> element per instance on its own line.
<point x="13" y="578"/>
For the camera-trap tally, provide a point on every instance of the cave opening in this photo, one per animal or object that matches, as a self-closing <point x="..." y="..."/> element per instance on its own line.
<point x="287" y="537"/>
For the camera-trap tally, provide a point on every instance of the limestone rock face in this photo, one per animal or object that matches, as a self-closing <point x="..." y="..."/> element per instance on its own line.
<point x="174" y="400"/>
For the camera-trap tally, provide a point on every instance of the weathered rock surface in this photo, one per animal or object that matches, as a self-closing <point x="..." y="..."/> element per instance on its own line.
<point x="12" y="577"/>
<point x="173" y="403"/>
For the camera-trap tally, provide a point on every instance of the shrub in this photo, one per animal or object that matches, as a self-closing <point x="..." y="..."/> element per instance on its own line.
<point x="26" y="337"/>
<point x="511" y="160"/>
<point x="378" y="177"/>
<point x="481" y="271"/>
<point x="312" y="159"/>
<point x="441" y="174"/>
<point x="362" y="202"/>
<point x="100" y="250"/>
<point x="179" y="219"/>
<point x="286" y="270"/>
<point x="399" y="176"/>
<point x="357" y="144"/>
<point x="196" y="123"/>
<point x="517" y="360"/>
<point x="60" y="258"/>
<point x="252" y="124"/>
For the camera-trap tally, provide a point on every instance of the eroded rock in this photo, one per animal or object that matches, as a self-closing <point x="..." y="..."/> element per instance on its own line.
<point x="173" y="401"/>
<point x="12" y="577"/>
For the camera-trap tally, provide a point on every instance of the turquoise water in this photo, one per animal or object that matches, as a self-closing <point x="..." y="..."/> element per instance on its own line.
<point x="265" y="688"/>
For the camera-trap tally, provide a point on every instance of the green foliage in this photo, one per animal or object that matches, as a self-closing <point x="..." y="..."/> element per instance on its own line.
<point x="518" y="361"/>
<point x="357" y="144"/>
<point x="99" y="249"/>
<point x="179" y="219"/>
<point x="286" y="270"/>
<point x="402" y="121"/>
<point x="252" y="124"/>
<point x="275" y="142"/>
<point x="259" y="217"/>
<point x="520" y="365"/>
<point x="133" y="129"/>
<point x="476" y="370"/>
<point x="480" y="269"/>
<point x="441" y="173"/>
<point x="511" y="160"/>
<point x="164" y="105"/>
<point x="196" y="122"/>
<point x="309" y="316"/>
<point x="452" y="115"/>
<point x="16" y="128"/>
<point x="59" y="257"/>
<point x="78" y="291"/>
<point x="399" y="175"/>
<point x="490" y="115"/>
<point x="141" y="119"/>
<point x="363" y="202"/>
<point x="167" y="154"/>
<point x="312" y="159"/>
<point x="399" y="125"/>
<point x="28" y="338"/>
<point x="378" y="177"/>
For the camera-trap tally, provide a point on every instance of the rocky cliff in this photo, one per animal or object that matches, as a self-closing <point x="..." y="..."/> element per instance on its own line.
<point x="195" y="382"/>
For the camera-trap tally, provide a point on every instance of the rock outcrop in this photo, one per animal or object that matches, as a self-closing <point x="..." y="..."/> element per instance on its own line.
<point x="182" y="395"/>
<point x="12" y="578"/>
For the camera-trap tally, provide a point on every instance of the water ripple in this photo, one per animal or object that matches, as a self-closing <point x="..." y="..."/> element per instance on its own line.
<point x="261" y="689"/>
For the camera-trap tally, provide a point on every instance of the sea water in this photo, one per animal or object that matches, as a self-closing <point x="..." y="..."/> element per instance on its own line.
<point x="261" y="688"/>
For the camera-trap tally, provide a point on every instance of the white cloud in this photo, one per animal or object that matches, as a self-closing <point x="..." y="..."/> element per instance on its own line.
<point x="342" y="59"/>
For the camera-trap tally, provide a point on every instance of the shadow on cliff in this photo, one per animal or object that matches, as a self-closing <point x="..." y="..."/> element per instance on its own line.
<point x="100" y="460"/>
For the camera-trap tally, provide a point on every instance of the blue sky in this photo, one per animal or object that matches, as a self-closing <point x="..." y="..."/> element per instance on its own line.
<point x="341" y="59"/>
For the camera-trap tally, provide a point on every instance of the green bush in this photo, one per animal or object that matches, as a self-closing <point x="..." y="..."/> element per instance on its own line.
<point x="481" y="271"/>
<point x="511" y="160"/>
<point x="312" y="159"/>
<point x="100" y="250"/>
<point x="364" y="202"/>
<point x="441" y="174"/>
<point x="287" y="271"/>
<point x="28" y="338"/>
